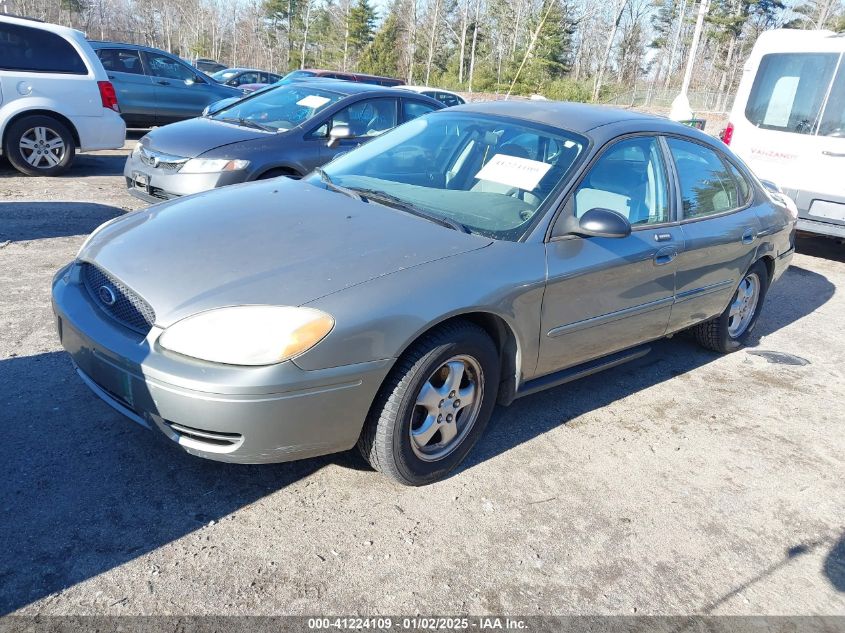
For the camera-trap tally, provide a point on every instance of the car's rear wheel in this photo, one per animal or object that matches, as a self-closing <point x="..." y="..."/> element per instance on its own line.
<point x="433" y="406"/>
<point x="731" y="329"/>
<point x="40" y="145"/>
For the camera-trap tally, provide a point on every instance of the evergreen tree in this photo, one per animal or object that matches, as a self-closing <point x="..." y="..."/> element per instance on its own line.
<point x="362" y="23"/>
<point x="381" y="56"/>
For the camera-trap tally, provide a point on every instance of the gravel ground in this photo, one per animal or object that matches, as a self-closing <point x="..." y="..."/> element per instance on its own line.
<point x="685" y="482"/>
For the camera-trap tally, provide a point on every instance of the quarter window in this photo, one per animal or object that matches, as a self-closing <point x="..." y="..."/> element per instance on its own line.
<point x="38" y="51"/>
<point x="707" y="187"/>
<point x="789" y="91"/>
<point x="630" y="179"/>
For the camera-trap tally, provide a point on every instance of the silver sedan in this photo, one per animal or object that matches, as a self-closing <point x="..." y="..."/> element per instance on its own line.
<point x="467" y="258"/>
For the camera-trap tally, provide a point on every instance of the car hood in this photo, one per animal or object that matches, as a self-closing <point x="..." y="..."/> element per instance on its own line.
<point x="278" y="242"/>
<point x="194" y="137"/>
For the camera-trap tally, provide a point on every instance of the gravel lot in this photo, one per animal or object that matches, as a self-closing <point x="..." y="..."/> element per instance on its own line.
<point x="685" y="482"/>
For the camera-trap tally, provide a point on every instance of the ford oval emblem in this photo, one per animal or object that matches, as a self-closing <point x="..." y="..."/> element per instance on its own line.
<point x="107" y="295"/>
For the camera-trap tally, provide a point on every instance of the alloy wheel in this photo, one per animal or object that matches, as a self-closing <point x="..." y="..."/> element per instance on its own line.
<point x="744" y="305"/>
<point x="42" y="147"/>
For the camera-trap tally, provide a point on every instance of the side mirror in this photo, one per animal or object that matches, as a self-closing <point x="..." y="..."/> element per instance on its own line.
<point x="770" y="186"/>
<point x="598" y="222"/>
<point x="337" y="133"/>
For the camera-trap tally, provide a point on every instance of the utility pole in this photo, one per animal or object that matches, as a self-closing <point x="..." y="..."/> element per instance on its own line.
<point x="680" y="106"/>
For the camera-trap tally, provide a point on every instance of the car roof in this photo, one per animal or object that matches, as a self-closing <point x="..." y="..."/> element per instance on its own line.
<point x="432" y="88"/>
<point x="137" y="47"/>
<point x="35" y="23"/>
<point x="349" y="88"/>
<point x="244" y="70"/>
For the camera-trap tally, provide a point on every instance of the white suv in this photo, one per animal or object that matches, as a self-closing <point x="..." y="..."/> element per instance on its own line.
<point x="55" y="97"/>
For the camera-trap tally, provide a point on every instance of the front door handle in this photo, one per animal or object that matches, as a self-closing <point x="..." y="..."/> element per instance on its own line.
<point x="163" y="82"/>
<point x="749" y="236"/>
<point x="836" y="154"/>
<point x="662" y="237"/>
<point x="665" y="255"/>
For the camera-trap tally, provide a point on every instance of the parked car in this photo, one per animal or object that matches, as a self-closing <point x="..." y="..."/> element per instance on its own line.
<point x="55" y="98"/>
<point x="788" y="122"/>
<point x="240" y="77"/>
<point x="345" y="76"/>
<point x="445" y="97"/>
<point x="208" y="66"/>
<point x="283" y="131"/>
<point x="472" y="256"/>
<point x="155" y="87"/>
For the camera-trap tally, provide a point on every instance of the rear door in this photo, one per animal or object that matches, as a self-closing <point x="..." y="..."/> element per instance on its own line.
<point x="719" y="227"/>
<point x="136" y="95"/>
<point x="607" y="294"/>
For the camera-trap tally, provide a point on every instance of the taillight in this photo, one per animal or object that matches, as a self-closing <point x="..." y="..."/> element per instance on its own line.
<point x="108" y="95"/>
<point x="728" y="134"/>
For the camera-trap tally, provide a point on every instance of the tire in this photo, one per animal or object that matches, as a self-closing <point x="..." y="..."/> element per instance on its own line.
<point x="727" y="333"/>
<point x="28" y="146"/>
<point x="386" y="441"/>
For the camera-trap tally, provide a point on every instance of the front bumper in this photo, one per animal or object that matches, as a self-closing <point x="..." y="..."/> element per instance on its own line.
<point x="154" y="184"/>
<point x="236" y="414"/>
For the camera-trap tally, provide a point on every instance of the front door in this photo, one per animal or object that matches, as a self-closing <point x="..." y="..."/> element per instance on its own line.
<point x="180" y="92"/>
<point x="365" y="119"/>
<point x="607" y="294"/>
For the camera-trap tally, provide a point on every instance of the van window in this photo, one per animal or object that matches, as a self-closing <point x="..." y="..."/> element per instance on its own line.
<point x="38" y="51"/>
<point x="789" y="91"/>
<point x="833" y="121"/>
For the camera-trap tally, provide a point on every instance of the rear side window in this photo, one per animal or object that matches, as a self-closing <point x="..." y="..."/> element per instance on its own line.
<point x="741" y="183"/>
<point x="707" y="186"/>
<point x="413" y="109"/>
<point x="448" y="99"/>
<point x="789" y="91"/>
<point x="38" y="51"/>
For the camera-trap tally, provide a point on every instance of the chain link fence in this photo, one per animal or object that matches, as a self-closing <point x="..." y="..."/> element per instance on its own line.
<point x="700" y="101"/>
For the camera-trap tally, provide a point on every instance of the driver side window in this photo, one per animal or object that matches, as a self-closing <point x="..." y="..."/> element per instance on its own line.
<point x="162" y="66"/>
<point x="368" y="118"/>
<point x="628" y="178"/>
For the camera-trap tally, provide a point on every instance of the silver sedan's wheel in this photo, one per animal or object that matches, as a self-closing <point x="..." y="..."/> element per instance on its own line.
<point x="447" y="406"/>
<point x="730" y="330"/>
<point x="744" y="305"/>
<point x="42" y="147"/>
<point x="434" y="404"/>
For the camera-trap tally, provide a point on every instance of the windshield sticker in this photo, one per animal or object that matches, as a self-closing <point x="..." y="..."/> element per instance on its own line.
<point x="313" y="101"/>
<point x="513" y="171"/>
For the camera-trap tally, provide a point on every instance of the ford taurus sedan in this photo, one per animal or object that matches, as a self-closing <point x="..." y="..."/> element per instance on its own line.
<point x="285" y="130"/>
<point x="470" y="257"/>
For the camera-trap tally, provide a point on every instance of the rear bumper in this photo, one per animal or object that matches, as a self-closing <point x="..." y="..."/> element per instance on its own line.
<point x="821" y="228"/>
<point x="235" y="414"/>
<point x="100" y="132"/>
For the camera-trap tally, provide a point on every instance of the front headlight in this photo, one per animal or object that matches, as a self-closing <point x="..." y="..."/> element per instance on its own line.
<point x="248" y="335"/>
<point x="212" y="165"/>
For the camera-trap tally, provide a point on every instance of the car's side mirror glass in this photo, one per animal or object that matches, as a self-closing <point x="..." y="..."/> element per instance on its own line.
<point x="770" y="186"/>
<point x="339" y="132"/>
<point x="596" y="222"/>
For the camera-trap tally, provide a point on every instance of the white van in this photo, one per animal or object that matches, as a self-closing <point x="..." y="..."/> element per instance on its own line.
<point x="55" y="97"/>
<point x="788" y="122"/>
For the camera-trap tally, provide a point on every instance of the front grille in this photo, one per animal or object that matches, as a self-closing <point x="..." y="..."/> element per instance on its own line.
<point x="158" y="160"/>
<point x="118" y="300"/>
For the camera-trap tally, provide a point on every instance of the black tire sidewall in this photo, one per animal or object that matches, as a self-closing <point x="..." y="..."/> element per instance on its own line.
<point x="731" y="343"/>
<point x="471" y="343"/>
<point x="16" y="131"/>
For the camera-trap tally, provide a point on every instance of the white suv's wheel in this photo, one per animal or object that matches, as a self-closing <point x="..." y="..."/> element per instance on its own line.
<point x="40" y="146"/>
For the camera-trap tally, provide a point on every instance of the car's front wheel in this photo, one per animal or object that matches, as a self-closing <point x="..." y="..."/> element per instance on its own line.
<point x="40" y="145"/>
<point x="434" y="405"/>
<point x="731" y="329"/>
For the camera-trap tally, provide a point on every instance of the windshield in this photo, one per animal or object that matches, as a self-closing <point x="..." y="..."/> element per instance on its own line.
<point x="489" y="174"/>
<point x="224" y="75"/>
<point x="279" y="108"/>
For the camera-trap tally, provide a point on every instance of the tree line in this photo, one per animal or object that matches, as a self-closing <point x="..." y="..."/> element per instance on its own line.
<point x="564" y="49"/>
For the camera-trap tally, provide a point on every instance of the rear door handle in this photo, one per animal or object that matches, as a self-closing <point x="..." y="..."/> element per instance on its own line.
<point x="665" y="255"/>
<point x="662" y="237"/>
<point x="748" y="236"/>
<point x="836" y="154"/>
<point x="163" y="82"/>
